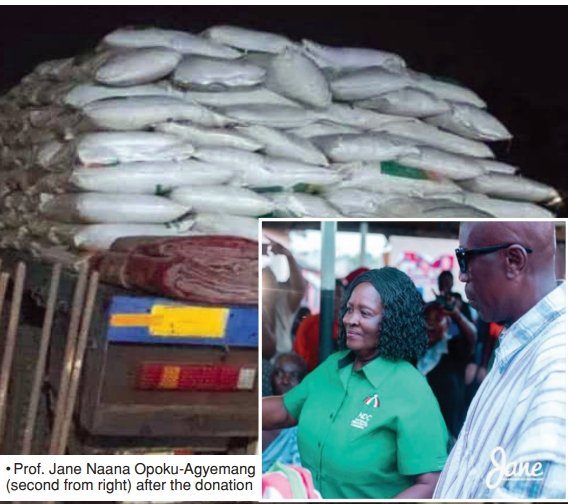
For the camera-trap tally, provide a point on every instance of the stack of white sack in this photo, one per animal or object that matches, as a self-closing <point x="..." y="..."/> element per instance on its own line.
<point x="161" y="132"/>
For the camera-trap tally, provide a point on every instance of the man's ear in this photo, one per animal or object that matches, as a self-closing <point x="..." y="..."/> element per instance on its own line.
<point x="516" y="259"/>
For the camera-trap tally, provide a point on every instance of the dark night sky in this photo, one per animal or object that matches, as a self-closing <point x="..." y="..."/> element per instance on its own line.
<point x="513" y="57"/>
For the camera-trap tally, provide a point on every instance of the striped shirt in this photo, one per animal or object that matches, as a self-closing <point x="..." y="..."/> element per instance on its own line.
<point x="512" y="444"/>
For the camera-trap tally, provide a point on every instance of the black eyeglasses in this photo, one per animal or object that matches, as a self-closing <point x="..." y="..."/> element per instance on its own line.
<point x="463" y="254"/>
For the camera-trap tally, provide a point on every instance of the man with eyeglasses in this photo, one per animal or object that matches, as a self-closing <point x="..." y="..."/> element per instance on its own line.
<point x="512" y="444"/>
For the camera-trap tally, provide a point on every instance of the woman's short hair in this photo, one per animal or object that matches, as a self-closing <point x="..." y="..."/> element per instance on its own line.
<point x="402" y="333"/>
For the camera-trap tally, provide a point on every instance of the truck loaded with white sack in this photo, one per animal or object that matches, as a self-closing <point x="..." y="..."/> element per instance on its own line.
<point x="148" y="161"/>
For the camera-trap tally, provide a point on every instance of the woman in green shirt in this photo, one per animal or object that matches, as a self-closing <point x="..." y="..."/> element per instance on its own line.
<point x="369" y="426"/>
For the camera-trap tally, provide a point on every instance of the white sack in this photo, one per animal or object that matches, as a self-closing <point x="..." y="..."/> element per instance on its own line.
<point x="247" y="40"/>
<point x="449" y="165"/>
<point x="511" y="187"/>
<point x="351" y="57"/>
<point x="365" y="83"/>
<point x="260" y="96"/>
<point x="199" y="72"/>
<point x="222" y="224"/>
<point x="101" y="236"/>
<point x="322" y="128"/>
<point x="359" y="203"/>
<point x="210" y="137"/>
<point x="140" y="112"/>
<point x="287" y="145"/>
<point x="297" y="205"/>
<point x="276" y="116"/>
<point x="446" y="90"/>
<point x="368" y="176"/>
<point x="82" y="94"/>
<point x="502" y="208"/>
<point x="111" y="208"/>
<point x="427" y="135"/>
<point x="138" y="66"/>
<point x="148" y="178"/>
<point x="293" y="75"/>
<point x="471" y="122"/>
<point x="183" y="42"/>
<point x="108" y="148"/>
<point x="491" y="166"/>
<point x="355" y="117"/>
<point x="406" y="102"/>
<point x="364" y="147"/>
<point x="223" y="199"/>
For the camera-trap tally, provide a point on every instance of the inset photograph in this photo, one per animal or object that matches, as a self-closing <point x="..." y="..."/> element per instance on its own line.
<point x="413" y="360"/>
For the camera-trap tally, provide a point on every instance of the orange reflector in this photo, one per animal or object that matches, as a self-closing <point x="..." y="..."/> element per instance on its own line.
<point x="171" y="376"/>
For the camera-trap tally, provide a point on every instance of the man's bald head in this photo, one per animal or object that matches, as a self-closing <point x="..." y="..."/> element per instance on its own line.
<point x="506" y="283"/>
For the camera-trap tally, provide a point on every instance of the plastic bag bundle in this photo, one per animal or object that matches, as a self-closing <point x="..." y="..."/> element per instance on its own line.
<point x="157" y="127"/>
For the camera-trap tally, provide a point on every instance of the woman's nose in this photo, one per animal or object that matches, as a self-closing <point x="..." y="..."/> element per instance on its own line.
<point x="350" y="319"/>
<point x="464" y="277"/>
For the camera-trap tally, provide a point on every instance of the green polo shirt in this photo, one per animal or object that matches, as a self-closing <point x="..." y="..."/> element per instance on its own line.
<point x="366" y="434"/>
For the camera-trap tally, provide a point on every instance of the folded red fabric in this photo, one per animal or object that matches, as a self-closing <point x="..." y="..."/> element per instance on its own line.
<point x="202" y="269"/>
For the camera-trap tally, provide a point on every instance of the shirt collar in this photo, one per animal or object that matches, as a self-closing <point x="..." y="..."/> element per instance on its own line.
<point x="374" y="370"/>
<point x="530" y="325"/>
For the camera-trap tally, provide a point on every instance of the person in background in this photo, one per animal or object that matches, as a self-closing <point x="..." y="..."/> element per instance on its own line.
<point x="369" y="426"/>
<point x="307" y="339"/>
<point x="302" y="313"/>
<point x="475" y="372"/>
<point x="513" y="443"/>
<point x="455" y="348"/>
<point x="281" y="445"/>
<point x="354" y="274"/>
<point x="281" y="300"/>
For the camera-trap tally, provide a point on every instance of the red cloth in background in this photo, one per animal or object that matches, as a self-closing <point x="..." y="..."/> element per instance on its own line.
<point x="203" y="269"/>
<point x="307" y="338"/>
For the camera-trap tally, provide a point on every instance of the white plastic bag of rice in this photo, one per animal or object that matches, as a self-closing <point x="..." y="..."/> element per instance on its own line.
<point x="108" y="148"/>
<point x="111" y="207"/>
<point x="367" y="82"/>
<point x="368" y="176"/>
<point x="423" y="134"/>
<point x="183" y="42"/>
<point x="197" y="72"/>
<point x="511" y="187"/>
<point x="140" y="112"/>
<point x="139" y="66"/>
<point x="293" y="75"/>
<point x="406" y="102"/>
<point x="445" y="90"/>
<point x="446" y="164"/>
<point x="223" y="224"/>
<point x="149" y="177"/>
<point x="502" y="208"/>
<point x="256" y="96"/>
<point x="276" y="116"/>
<point x="82" y="94"/>
<point x="280" y="143"/>
<point x="210" y="137"/>
<point x="296" y="205"/>
<point x="223" y="199"/>
<point x="246" y="39"/>
<point x="351" y="57"/>
<point x="364" y="147"/>
<point x="471" y="122"/>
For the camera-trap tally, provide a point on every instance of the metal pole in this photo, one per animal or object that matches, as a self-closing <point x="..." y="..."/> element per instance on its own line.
<point x="10" y="345"/>
<point x="363" y="230"/>
<point x="41" y="360"/>
<point x="70" y="346"/>
<point x="328" y="230"/>
<point x="78" y="361"/>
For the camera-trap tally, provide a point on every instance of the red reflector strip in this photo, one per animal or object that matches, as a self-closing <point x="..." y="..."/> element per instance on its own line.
<point x="171" y="376"/>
